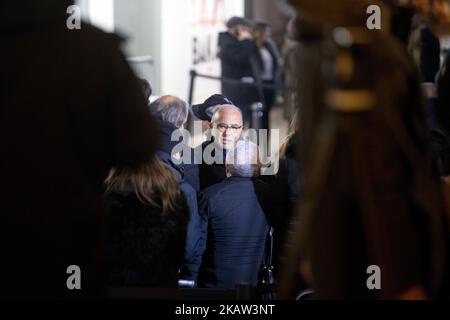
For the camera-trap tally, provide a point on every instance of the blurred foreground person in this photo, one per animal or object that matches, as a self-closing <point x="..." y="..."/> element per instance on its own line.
<point x="237" y="225"/>
<point x="147" y="217"/>
<point x="289" y="67"/>
<point x="371" y="207"/>
<point x="440" y="135"/>
<point x="70" y="109"/>
<point x="425" y="48"/>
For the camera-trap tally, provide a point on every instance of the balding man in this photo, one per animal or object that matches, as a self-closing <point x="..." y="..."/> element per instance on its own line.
<point x="226" y="127"/>
<point x="237" y="224"/>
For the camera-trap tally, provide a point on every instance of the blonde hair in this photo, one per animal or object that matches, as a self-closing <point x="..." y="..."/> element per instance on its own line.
<point x="294" y="128"/>
<point x="152" y="182"/>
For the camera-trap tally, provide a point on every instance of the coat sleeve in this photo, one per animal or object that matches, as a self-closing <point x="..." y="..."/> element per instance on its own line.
<point x="196" y="235"/>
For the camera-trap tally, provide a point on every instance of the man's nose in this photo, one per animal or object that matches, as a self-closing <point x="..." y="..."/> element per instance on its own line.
<point x="228" y="132"/>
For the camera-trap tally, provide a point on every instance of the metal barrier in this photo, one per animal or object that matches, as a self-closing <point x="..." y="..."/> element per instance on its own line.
<point x="194" y="74"/>
<point x="257" y="108"/>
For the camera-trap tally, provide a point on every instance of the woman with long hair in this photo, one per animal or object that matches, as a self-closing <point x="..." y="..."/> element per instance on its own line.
<point x="146" y="225"/>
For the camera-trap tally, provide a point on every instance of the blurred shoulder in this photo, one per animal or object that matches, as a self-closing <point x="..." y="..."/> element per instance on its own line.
<point x="95" y="37"/>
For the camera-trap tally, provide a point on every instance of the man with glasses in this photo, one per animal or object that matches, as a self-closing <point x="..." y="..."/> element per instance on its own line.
<point x="226" y="129"/>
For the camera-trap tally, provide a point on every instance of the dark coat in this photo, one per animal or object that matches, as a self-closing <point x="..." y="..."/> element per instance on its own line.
<point x="237" y="232"/>
<point x="258" y="67"/>
<point x="235" y="57"/>
<point x="440" y="127"/>
<point x="166" y="145"/>
<point x="443" y="103"/>
<point x="195" y="236"/>
<point x="284" y="195"/>
<point x="370" y="197"/>
<point x="70" y="108"/>
<point x="210" y="174"/>
<point x="144" y="248"/>
<point x="430" y="58"/>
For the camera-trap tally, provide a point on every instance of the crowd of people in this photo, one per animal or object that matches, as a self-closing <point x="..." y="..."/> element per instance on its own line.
<point x="91" y="177"/>
<point x="224" y="208"/>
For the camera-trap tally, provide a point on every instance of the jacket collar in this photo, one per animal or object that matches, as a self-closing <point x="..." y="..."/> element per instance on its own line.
<point x="166" y="130"/>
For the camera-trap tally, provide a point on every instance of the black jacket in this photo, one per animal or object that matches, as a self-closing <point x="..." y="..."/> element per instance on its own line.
<point x="237" y="232"/>
<point x="258" y="65"/>
<point x="439" y="113"/>
<point x="195" y="236"/>
<point x="285" y="194"/>
<point x="188" y="169"/>
<point x="210" y="174"/>
<point x="235" y="57"/>
<point x="70" y="108"/>
<point x="144" y="248"/>
<point x="430" y="57"/>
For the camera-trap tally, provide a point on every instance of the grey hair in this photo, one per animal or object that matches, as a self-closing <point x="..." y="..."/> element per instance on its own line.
<point x="243" y="159"/>
<point x="170" y="109"/>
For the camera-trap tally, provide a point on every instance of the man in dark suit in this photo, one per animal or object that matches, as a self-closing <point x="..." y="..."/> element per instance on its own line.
<point x="237" y="225"/>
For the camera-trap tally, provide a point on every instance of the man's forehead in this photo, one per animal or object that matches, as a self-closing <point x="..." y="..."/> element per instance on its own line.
<point x="228" y="115"/>
<point x="234" y="117"/>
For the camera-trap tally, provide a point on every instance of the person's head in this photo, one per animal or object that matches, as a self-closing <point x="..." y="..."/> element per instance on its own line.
<point x="152" y="182"/>
<point x="146" y="88"/>
<point x="170" y="109"/>
<point x="243" y="160"/>
<point x="227" y="122"/>
<point x="237" y="25"/>
<point x="206" y="110"/>
<point x="261" y="31"/>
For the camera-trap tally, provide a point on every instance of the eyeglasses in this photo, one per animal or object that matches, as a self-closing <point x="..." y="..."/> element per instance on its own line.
<point x="222" y="127"/>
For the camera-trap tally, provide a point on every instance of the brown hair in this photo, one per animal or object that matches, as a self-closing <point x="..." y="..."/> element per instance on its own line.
<point x="152" y="182"/>
<point x="294" y="128"/>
